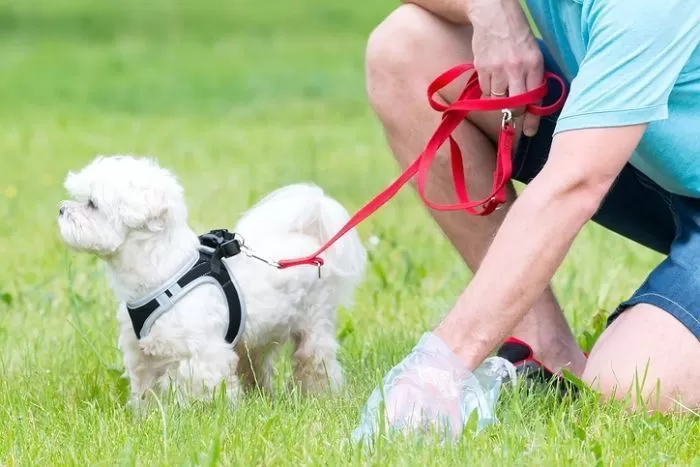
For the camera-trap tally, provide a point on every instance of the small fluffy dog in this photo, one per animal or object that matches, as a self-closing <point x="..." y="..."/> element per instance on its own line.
<point x="131" y="213"/>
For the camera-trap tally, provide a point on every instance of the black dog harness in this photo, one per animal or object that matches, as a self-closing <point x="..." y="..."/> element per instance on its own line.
<point x="206" y="268"/>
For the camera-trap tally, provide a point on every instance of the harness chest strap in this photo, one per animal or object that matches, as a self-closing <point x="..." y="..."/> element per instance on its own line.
<point x="453" y="115"/>
<point x="206" y="268"/>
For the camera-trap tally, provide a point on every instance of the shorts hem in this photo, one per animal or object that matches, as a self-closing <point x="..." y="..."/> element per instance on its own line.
<point x="691" y="322"/>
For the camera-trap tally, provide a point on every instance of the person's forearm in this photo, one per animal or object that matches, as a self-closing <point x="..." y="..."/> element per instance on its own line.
<point x="535" y="237"/>
<point x="523" y="257"/>
<point x="460" y="11"/>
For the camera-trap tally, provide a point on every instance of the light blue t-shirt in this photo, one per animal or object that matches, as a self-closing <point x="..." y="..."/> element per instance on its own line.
<point x="631" y="62"/>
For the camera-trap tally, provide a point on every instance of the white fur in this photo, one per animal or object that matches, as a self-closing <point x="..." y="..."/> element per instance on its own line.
<point x="131" y="213"/>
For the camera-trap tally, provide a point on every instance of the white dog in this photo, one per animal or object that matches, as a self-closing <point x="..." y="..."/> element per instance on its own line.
<point x="131" y="213"/>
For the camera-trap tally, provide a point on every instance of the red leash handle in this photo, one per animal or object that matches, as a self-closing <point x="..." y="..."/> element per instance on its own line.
<point x="452" y="115"/>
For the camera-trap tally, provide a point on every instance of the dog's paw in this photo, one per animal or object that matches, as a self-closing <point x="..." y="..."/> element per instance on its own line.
<point x="319" y="379"/>
<point x="137" y="406"/>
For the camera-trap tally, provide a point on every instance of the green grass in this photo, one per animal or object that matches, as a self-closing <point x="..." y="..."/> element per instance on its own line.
<point x="239" y="98"/>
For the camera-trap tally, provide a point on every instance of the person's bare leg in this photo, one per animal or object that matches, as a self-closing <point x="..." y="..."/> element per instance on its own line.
<point x="404" y="54"/>
<point x="649" y="356"/>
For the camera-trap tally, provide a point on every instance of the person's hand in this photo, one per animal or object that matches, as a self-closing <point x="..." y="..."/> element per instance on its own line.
<point x="432" y="389"/>
<point x="506" y="55"/>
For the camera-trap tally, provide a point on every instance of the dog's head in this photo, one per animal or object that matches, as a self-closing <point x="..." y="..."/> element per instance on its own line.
<point x="116" y="197"/>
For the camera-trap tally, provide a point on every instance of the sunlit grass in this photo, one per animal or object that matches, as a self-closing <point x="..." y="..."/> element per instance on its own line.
<point x="238" y="99"/>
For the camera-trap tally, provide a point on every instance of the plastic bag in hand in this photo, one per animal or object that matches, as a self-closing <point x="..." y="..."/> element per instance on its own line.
<point x="431" y="388"/>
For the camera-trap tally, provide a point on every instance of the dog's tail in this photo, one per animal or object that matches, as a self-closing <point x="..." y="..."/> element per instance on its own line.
<point x="305" y="208"/>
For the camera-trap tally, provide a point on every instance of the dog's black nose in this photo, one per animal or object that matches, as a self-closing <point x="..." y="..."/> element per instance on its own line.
<point x="61" y="210"/>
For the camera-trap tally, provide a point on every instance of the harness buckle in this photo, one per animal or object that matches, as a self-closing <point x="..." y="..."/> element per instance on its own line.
<point x="230" y="248"/>
<point x="223" y="241"/>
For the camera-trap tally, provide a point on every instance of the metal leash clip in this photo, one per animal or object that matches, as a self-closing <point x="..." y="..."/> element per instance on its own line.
<point x="507" y="118"/>
<point x="497" y="208"/>
<point x="318" y="267"/>
<point x="251" y="254"/>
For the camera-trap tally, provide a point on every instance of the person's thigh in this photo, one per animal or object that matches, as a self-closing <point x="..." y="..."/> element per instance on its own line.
<point x="409" y="49"/>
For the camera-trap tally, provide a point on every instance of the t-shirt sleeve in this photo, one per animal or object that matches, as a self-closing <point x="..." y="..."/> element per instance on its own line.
<point x="635" y="53"/>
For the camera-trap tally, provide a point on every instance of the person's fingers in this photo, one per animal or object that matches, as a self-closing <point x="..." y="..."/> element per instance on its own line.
<point x="516" y="86"/>
<point x="531" y="124"/>
<point x="499" y="84"/>
<point x="534" y="77"/>
<point x="484" y="82"/>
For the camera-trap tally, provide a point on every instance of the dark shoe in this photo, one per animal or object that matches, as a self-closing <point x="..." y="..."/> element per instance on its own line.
<point x="531" y="370"/>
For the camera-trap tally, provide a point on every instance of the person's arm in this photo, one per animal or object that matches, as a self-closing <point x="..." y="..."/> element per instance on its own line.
<point x="535" y="237"/>
<point x="624" y="82"/>
<point x="632" y="64"/>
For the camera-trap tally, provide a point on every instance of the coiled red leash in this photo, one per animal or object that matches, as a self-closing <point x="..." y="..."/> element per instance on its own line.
<point x="452" y="115"/>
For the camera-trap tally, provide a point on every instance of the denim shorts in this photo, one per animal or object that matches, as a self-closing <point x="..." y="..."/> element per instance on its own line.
<point x="640" y="210"/>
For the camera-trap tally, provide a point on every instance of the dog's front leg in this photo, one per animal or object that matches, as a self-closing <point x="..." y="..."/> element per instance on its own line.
<point x="143" y="377"/>
<point x="138" y="368"/>
<point x="201" y="377"/>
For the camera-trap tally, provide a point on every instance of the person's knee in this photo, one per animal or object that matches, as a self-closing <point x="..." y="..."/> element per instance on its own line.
<point x="643" y="360"/>
<point x="392" y="52"/>
<point x="634" y="385"/>
<point x="610" y="383"/>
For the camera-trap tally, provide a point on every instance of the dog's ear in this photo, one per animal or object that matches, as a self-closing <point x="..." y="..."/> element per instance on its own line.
<point x="154" y="206"/>
<point x="73" y="183"/>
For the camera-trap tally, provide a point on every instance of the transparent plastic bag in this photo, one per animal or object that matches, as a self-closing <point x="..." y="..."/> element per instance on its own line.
<point x="431" y="389"/>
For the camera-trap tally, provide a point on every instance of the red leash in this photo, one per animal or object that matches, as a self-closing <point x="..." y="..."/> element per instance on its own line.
<point x="452" y="115"/>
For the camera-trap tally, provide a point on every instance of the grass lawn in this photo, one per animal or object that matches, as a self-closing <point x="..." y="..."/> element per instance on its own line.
<point x="239" y="98"/>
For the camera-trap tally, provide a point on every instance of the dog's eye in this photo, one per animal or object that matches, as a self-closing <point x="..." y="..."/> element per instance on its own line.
<point x="91" y="204"/>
